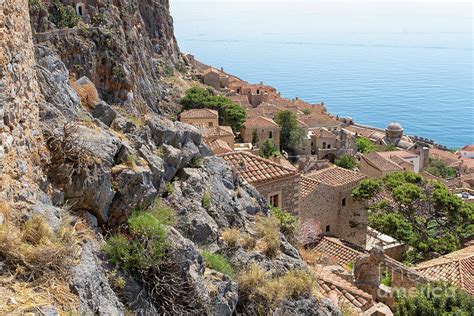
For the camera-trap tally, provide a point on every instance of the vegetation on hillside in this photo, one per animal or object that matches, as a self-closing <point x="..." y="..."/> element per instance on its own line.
<point x="230" y="113"/>
<point x="420" y="213"/>
<point x="143" y="249"/>
<point x="365" y="145"/>
<point x="435" y="299"/>
<point x="268" y="150"/>
<point x="260" y="293"/>
<point x="439" y="169"/>
<point x="218" y="262"/>
<point x="63" y="15"/>
<point x="291" y="135"/>
<point x="347" y="162"/>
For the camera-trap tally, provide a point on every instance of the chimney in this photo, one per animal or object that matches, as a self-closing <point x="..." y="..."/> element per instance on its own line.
<point x="297" y="98"/>
<point x="222" y="69"/>
<point x="261" y="83"/>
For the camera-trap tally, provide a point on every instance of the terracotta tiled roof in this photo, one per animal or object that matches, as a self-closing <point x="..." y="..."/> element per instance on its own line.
<point x="260" y="122"/>
<point x="323" y="133"/>
<point x="360" y="131"/>
<point x="345" y="292"/>
<point x="338" y="250"/>
<point x="398" y="153"/>
<point x="443" y="155"/>
<point x="381" y="163"/>
<point x="307" y="185"/>
<point x="199" y="113"/>
<point x="336" y="176"/>
<point x="318" y="119"/>
<point x="456" y="267"/>
<point x="220" y="145"/>
<point x="210" y="69"/>
<point x="468" y="148"/>
<point x="218" y="131"/>
<point x="257" y="170"/>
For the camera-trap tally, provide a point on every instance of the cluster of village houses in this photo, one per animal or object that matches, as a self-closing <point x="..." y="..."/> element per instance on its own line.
<point x="317" y="190"/>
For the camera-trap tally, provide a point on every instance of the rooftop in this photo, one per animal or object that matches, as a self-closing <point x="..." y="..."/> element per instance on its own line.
<point x="323" y="133"/>
<point x="394" y="127"/>
<point x="257" y="170"/>
<point x="338" y="251"/>
<point x="398" y="153"/>
<point x="336" y="176"/>
<point x="456" y="267"/>
<point x="379" y="162"/>
<point x="344" y="291"/>
<point x="468" y="148"/>
<point x="443" y="154"/>
<point x="219" y="145"/>
<point x="218" y="131"/>
<point x="199" y="113"/>
<point x="260" y="122"/>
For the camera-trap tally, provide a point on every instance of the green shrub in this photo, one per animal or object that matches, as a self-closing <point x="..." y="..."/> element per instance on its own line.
<point x="347" y="162"/>
<point x="165" y="214"/>
<point x="230" y="113"/>
<point x="169" y="189"/>
<point x="218" y="262"/>
<point x="438" y="168"/>
<point x="63" y="15"/>
<point x="168" y="71"/>
<point x="142" y="246"/>
<point x="288" y="222"/>
<point x="306" y="111"/>
<point x="196" y="162"/>
<point x="436" y="298"/>
<point x="365" y="145"/>
<point x="206" y="200"/>
<point x="268" y="150"/>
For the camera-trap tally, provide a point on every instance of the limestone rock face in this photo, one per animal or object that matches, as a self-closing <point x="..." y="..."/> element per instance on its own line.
<point x="90" y="283"/>
<point x="124" y="48"/>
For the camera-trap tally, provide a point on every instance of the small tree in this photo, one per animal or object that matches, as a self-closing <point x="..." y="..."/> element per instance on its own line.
<point x="291" y="135"/>
<point x="268" y="150"/>
<point x="365" y="145"/>
<point x="255" y="139"/>
<point x="347" y="162"/>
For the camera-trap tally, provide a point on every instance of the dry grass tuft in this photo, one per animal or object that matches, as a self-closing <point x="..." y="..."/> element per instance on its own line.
<point x="231" y="237"/>
<point x="248" y="241"/>
<point x="310" y="256"/>
<point x="4" y="209"/>
<point x="36" y="265"/>
<point x="256" y="288"/>
<point x="268" y="229"/>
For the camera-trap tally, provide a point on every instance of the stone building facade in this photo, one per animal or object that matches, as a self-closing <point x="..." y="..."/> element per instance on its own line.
<point x="278" y="184"/>
<point x="265" y="128"/>
<point x="326" y="196"/>
<point x="200" y="117"/>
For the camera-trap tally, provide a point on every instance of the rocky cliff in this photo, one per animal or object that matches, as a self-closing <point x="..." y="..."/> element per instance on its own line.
<point x="76" y="169"/>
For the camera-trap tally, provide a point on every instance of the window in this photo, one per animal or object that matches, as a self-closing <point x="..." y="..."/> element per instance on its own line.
<point x="210" y="124"/>
<point x="324" y="145"/>
<point x="328" y="228"/>
<point x="238" y="90"/>
<point x="329" y="146"/>
<point x="344" y="202"/>
<point x="258" y="91"/>
<point x="274" y="200"/>
<point x="270" y="134"/>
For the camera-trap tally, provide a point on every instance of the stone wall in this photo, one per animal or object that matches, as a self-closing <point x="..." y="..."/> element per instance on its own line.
<point x="19" y="98"/>
<point x="288" y="191"/>
<point x="348" y="222"/>
<point x="263" y="134"/>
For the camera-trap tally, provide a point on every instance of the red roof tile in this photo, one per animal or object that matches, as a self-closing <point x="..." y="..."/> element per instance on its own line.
<point x="257" y="170"/>
<point x="260" y="122"/>
<point x="336" y="176"/>
<point x="456" y="267"/>
<point x="199" y="113"/>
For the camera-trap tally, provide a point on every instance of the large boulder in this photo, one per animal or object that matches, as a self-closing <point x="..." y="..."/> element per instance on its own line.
<point x="90" y="282"/>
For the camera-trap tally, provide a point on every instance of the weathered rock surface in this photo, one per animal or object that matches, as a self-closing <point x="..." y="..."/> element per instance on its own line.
<point x="90" y="283"/>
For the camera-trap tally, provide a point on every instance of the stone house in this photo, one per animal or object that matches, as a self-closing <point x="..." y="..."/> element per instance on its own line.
<point x="214" y="78"/>
<point x="200" y="117"/>
<point x="326" y="196"/>
<point x="467" y="151"/>
<point x="324" y="144"/>
<point x="375" y="165"/>
<point x="223" y="133"/>
<point x="405" y="159"/>
<point x="278" y="184"/>
<point x="264" y="127"/>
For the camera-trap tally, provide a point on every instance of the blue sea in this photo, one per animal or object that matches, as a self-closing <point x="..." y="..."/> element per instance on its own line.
<point x="375" y="61"/>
